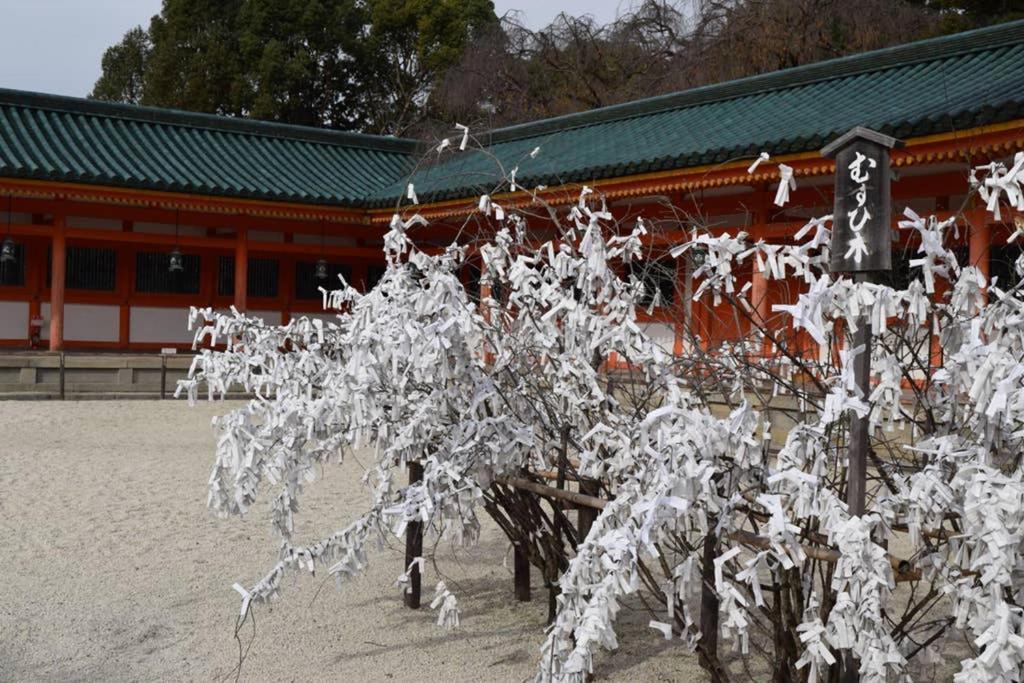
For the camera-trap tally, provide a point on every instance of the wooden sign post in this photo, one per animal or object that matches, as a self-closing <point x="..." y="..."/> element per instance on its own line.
<point x="861" y="246"/>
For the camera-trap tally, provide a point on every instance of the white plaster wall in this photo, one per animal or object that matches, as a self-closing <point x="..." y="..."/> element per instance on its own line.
<point x="333" y="240"/>
<point x="265" y="236"/>
<point x="663" y="334"/>
<point x="332" y="317"/>
<point x="168" y="229"/>
<point x="152" y="324"/>
<point x="86" y="322"/>
<point x="16" y="218"/>
<point x="94" y="223"/>
<point x="13" y="320"/>
<point x="268" y="317"/>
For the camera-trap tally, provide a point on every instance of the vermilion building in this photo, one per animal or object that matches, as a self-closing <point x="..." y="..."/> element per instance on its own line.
<point x="100" y="199"/>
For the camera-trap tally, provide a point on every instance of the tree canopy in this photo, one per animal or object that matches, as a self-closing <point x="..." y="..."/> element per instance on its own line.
<point x="413" y="67"/>
<point x="350" y="64"/>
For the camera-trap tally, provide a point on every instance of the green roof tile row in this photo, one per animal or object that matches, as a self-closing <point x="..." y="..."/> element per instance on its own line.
<point x="81" y="141"/>
<point x="939" y="85"/>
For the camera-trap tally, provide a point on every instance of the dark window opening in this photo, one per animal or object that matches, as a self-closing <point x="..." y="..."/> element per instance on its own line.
<point x="153" y="274"/>
<point x="374" y="274"/>
<point x="658" y="277"/>
<point x="902" y="274"/>
<point x="86" y="268"/>
<point x="307" y="286"/>
<point x="471" y="278"/>
<point x="261" y="277"/>
<point x="12" y="273"/>
<point x="1001" y="260"/>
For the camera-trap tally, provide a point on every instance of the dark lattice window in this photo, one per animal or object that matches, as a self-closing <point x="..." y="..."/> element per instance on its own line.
<point x="308" y="287"/>
<point x="374" y="274"/>
<point x="261" y="277"/>
<point x="471" y="278"/>
<point x="153" y="275"/>
<point x="87" y="268"/>
<point x="12" y="273"/>
<point x="901" y="274"/>
<point x="658" y="276"/>
<point x="1001" y="259"/>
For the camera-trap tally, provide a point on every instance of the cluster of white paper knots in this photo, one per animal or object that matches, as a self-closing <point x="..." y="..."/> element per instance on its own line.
<point x="402" y="370"/>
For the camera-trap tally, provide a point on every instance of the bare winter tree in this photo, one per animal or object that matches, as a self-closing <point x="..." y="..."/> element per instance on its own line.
<point x="514" y="74"/>
<point x="717" y="474"/>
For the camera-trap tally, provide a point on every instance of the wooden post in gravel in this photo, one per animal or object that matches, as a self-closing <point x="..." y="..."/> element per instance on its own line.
<point x="414" y="546"/>
<point x="521" y="572"/>
<point x="586" y="515"/>
<point x="862" y="248"/>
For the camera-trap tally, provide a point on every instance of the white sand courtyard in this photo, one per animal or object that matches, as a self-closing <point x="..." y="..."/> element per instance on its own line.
<point x="113" y="569"/>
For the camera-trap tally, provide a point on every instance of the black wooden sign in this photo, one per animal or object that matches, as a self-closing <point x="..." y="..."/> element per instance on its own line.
<point x="862" y="216"/>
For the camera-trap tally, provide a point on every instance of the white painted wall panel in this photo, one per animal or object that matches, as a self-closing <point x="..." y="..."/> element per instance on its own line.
<point x="87" y="322"/>
<point x="151" y="324"/>
<point x="332" y="317"/>
<point x="168" y="229"/>
<point x="663" y="334"/>
<point x="268" y="317"/>
<point x="333" y="240"/>
<point x="265" y="236"/>
<point x="94" y="223"/>
<point x="13" y="320"/>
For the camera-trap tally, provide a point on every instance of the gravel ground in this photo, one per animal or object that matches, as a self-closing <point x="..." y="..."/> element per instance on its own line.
<point x="113" y="569"/>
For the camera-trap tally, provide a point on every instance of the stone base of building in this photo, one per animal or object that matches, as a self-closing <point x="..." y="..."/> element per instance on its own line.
<point x="69" y="375"/>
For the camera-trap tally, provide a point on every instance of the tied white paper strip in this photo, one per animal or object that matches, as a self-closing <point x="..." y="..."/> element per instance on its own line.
<point x="786" y="183"/>
<point x="1018" y="225"/>
<point x="246" y="598"/>
<point x="534" y="152"/>
<point x="443" y="145"/>
<point x="313" y="403"/>
<point x="410" y="193"/>
<point x="762" y="157"/>
<point x="666" y="629"/>
<point x="465" y="136"/>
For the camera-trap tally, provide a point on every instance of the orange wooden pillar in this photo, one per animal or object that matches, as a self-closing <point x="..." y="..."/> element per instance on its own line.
<point x="486" y="292"/>
<point x="759" y="302"/>
<point x="59" y="261"/>
<point x="241" y="269"/>
<point x="681" y="305"/>
<point x="980" y="241"/>
<point x="125" y="285"/>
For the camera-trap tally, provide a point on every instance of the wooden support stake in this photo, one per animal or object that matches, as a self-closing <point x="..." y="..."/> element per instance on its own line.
<point x="163" y="376"/>
<point x="856" y="482"/>
<point x="414" y="546"/>
<point x="709" y="604"/>
<point x="586" y="515"/>
<point x="521" y="573"/>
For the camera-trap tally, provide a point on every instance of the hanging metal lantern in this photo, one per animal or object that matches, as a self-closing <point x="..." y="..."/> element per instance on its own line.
<point x="321" y="269"/>
<point x="177" y="262"/>
<point x="8" y="253"/>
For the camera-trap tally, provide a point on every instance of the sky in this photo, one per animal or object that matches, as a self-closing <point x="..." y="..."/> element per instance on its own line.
<point x="55" y="46"/>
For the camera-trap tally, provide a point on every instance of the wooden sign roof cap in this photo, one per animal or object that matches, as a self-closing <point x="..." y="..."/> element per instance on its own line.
<point x="859" y="133"/>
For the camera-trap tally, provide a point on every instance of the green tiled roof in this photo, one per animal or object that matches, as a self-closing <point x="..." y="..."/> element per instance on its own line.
<point x="84" y="141"/>
<point x="932" y="86"/>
